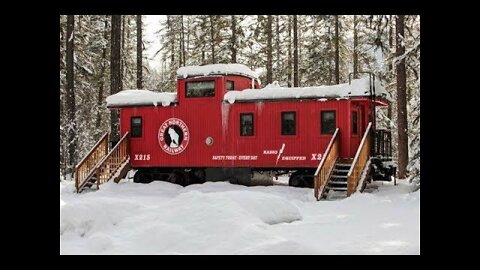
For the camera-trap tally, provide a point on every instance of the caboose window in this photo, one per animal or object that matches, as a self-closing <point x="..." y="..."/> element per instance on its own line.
<point x="136" y="127"/>
<point x="246" y="124"/>
<point x="288" y="123"/>
<point x="354" y="123"/>
<point x="229" y="85"/>
<point x="200" y="89"/>
<point x="329" y="122"/>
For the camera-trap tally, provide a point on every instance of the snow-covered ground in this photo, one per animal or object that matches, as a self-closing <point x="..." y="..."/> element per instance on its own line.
<point x="222" y="218"/>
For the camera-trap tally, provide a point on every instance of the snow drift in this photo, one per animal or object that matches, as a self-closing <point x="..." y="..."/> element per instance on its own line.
<point x="221" y="218"/>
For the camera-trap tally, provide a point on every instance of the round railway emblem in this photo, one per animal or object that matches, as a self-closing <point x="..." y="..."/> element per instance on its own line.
<point x="173" y="136"/>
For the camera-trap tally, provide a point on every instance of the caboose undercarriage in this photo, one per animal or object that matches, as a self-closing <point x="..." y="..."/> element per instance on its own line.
<point x="381" y="169"/>
<point x="299" y="177"/>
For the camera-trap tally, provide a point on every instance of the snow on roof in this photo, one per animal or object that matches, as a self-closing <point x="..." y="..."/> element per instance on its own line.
<point x="358" y="88"/>
<point x="140" y="97"/>
<point x="216" y="69"/>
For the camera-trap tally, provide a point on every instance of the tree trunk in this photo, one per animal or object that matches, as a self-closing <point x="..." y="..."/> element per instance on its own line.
<point x="172" y="40"/>
<point x="233" y="40"/>
<point x="122" y="54"/>
<point x="329" y="50"/>
<point x="390" y="40"/>
<point x="62" y="67"/>
<point x="401" y="101"/>
<point x="212" y="38"/>
<point x="98" y="122"/>
<point x="115" y="69"/>
<point x="337" y="54"/>
<point x="355" y="47"/>
<point x="62" y="39"/>
<point x="171" y="34"/>
<point x="289" y="62"/>
<point x="72" y="130"/>
<point x="269" y="48"/>
<point x="164" y="69"/>
<point x="139" y="52"/>
<point x="188" y="38"/>
<point x="277" y="47"/>
<point x="299" y="48"/>
<point x="180" y="49"/>
<point x="295" y="52"/>
<point x="390" y="65"/>
<point x="182" y="39"/>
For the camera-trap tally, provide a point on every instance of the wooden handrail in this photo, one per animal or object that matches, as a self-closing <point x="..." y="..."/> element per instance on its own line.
<point x="112" y="162"/>
<point x="325" y="168"/>
<point x="359" y="162"/>
<point x="86" y="167"/>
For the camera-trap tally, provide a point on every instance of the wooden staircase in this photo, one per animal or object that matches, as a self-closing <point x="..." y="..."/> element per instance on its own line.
<point x="338" y="178"/>
<point x="100" y="165"/>
<point x="342" y="174"/>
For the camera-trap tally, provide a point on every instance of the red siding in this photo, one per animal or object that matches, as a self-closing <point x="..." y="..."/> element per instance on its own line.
<point x="210" y="117"/>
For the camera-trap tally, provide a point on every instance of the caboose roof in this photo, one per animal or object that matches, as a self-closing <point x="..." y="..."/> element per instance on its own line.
<point x="357" y="88"/>
<point x="137" y="97"/>
<point x="216" y="69"/>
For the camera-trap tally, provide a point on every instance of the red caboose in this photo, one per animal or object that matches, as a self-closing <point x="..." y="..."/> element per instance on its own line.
<point x="221" y="126"/>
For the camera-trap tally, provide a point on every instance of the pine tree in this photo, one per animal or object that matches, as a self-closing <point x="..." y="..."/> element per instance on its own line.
<point x="233" y="39"/>
<point x="71" y="110"/>
<point x="330" y="52"/>
<point x="139" y="52"/>
<point x="289" y="61"/>
<point x="129" y="48"/>
<point x="122" y="52"/>
<point x="101" y="79"/>
<point x="277" y="68"/>
<point x="295" y="52"/>
<point x="337" y="52"/>
<point x="212" y="37"/>
<point x="63" y="149"/>
<point x="316" y="64"/>
<point x="115" y="73"/>
<point x="256" y="55"/>
<point x="182" y="42"/>
<point x="355" y="47"/>
<point x="401" y="100"/>
<point x="269" y="48"/>
<point x="200" y="39"/>
<point x="188" y="30"/>
<point x="412" y="62"/>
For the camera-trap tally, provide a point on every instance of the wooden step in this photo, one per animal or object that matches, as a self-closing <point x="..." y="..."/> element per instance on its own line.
<point x="338" y="188"/>
<point x="338" y="182"/>
<point x="338" y="176"/>
<point x="343" y="165"/>
<point x="345" y="160"/>
<point x="340" y="172"/>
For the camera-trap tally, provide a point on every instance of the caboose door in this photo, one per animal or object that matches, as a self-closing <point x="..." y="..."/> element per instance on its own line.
<point x="356" y="128"/>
